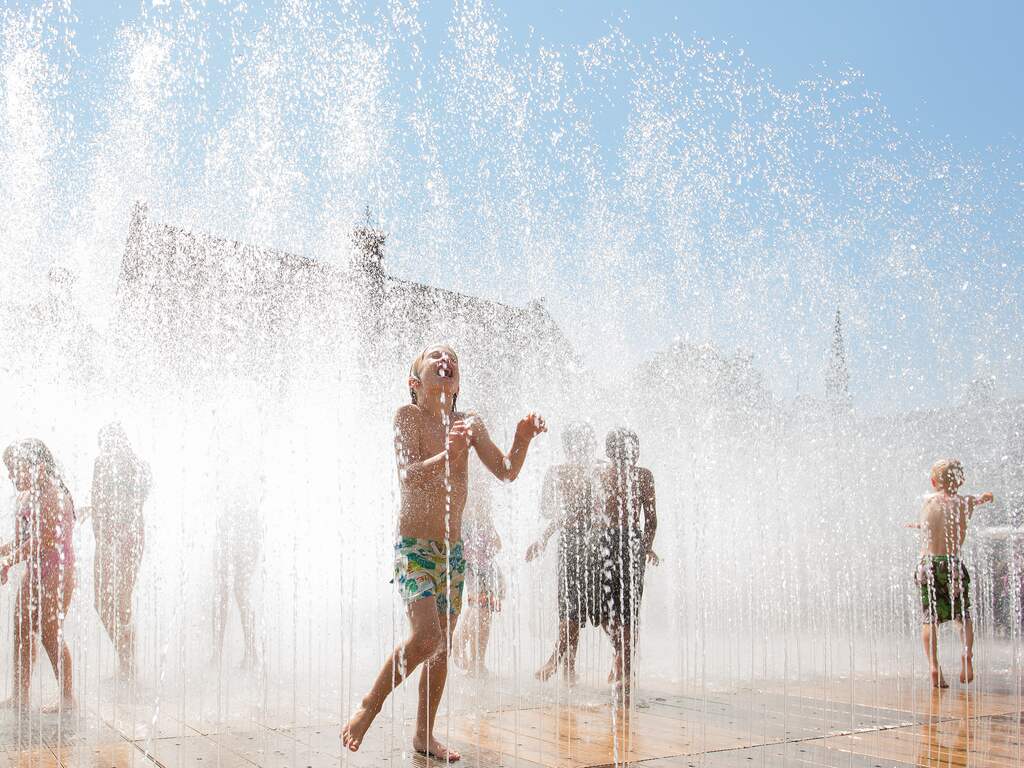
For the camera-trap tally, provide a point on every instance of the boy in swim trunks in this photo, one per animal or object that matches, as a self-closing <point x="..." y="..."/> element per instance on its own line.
<point x="627" y="548"/>
<point x="941" y="574"/>
<point x="432" y="442"/>
<point x="572" y="500"/>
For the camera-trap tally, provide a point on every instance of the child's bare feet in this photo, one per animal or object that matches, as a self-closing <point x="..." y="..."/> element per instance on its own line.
<point x="63" y="705"/>
<point x="15" y="702"/>
<point x="435" y="749"/>
<point x="354" y="730"/>
<point x="938" y="681"/>
<point x="615" y="675"/>
<point x="967" y="670"/>
<point x="544" y="673"/>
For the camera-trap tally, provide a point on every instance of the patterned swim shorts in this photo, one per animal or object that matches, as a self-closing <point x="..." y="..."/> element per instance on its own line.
<point x="429" y="568"/>
<point x="945" y="588"/>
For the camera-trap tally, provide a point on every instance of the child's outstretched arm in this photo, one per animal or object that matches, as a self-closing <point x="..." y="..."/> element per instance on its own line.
<point x="549" y="507"/>
<point x="505" y="466"/>
<point x="977" y="501"/>
<point x="413" y="468"/>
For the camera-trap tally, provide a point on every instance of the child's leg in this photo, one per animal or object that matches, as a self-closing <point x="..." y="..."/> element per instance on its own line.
<point x="622" y="662"/>
<point x="929" y="637"/>
<point x="967" y="660"/>
<point x="424" y="639"/>
<point x="222" y="568"/>
<point x="56" y="597"/>
<point x="432" y="682"/>
<point x="24" y="645"/>
<point x="483" y="636"/>
<point x="125" y="619"/>
<point x="463" y="641"/>
<point x="572" y="642"/>
<point x="104" y="578"/>
<point x="565" y="651"/>
<point x="612" y="631"/>
<point x="243" y="596"/>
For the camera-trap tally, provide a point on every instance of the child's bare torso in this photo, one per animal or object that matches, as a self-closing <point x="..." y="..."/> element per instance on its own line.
<point x="625" y="496"/>
<point x="578" y="494"/>
<point x="433" y="509"/>
<point x="944" y="519"/>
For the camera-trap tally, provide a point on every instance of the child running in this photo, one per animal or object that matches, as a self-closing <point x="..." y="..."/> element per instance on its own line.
<point x="941" y="574"/>
<point x="44" y="526"/>
<point x="628" y="493"/>
<point x="432" y="442"/>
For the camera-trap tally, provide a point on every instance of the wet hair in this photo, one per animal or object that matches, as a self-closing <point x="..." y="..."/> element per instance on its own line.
<point x="947" y="474"/>
<point x="417" y="365"/>
<point x="113" y="433"/>
<point x="622" y="446"/>
<point x="34" y="452"/>
<point x="578" y="437"/>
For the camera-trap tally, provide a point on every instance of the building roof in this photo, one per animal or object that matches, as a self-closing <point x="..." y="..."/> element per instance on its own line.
<point x="205" y="304"/>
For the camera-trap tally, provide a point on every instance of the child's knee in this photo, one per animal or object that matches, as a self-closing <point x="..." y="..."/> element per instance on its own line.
<point x="424" y="643"/>
<point x="51" y="644"/>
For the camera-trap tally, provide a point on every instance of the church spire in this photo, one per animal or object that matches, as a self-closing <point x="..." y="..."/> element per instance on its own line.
<point x="837" y="377"/>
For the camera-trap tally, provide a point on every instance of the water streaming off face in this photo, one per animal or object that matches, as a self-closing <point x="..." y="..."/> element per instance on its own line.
<point x="692" y="226"/>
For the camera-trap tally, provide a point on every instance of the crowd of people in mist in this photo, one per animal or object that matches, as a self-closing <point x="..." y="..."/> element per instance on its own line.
<point x="602" y="511"/>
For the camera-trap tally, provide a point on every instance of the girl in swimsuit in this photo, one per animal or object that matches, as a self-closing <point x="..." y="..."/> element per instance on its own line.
<point x="44" y="526"/>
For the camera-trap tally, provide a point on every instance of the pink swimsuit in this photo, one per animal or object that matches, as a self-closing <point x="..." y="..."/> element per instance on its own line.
<point x="49" y="560"/>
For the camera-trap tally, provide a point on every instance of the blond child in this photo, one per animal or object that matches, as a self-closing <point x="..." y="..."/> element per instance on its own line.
<point x="432" y="442"/>
<point x="941" y="575"/>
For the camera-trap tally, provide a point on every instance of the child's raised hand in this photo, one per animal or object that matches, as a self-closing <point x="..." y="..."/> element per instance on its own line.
<point x="986" y="498"/>
<point x="458" y="439"/>
<point x="531" y="426"/>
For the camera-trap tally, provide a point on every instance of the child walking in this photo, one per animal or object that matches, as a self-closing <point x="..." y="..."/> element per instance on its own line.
<point x="432" y="442"/>
<point x="45" y="523"/>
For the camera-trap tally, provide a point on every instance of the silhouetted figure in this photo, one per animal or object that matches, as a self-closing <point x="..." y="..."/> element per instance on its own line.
<point x="626" y="547"/>
<point x="572" y="499"/>
<point x="239" y="552"/>
<point x="44" y="525"/>
<point x="485" y="583"/>
<point x="120" y="486"/>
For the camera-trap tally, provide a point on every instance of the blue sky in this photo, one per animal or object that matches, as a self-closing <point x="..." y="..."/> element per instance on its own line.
<point x="950" y="68"/>
<point x="656" y="185"/>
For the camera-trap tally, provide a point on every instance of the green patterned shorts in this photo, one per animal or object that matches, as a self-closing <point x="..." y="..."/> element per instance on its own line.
<point x="428" y="568"/>
<point x="945" y="588"/>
